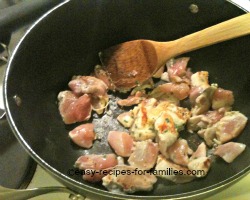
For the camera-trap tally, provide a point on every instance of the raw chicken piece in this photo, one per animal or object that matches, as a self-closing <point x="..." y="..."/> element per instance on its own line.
<point x="179" y="151"/>
<point x="132" y="100"/>
<point x="177" y="70"/>
<point x="121" y="142"/>
<point x="229" y="151"/>
<point x="203" y="101"/>
<point x="166" y="132"/>
<point x="178" y="90"/>
<point x="93" y="176"/>
<point x="201" y="166"/>
<point x="96" y="162"/>
<point x="94" y="87"/>
<point x="144" y="155"/>
<point x="201" y="151"/>
<point x="72" y="108"/>
<point x="209" y="135"/>
<point x="222" y="99"/>
<point x="172" y="172"/>
<point x="88" y="85"/>
<point x="83" y="135"/>
<point x="126" y="179"/>
<point x="230" y="126"/>
<point x="126" y="119"/>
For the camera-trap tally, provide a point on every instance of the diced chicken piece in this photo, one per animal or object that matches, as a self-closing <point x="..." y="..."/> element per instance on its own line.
<point x="96" y="162"/>
<point x="203" y="121"/>
<point x="93" y="176"/>
<point x="143" y="126"/>
<point x="209" y="135"/>
<point x="222" y="99"/>
<point x="132" y="100"/>
<point x="121" y="142"/>
<point x="144" y="155"/>
<point x="165" y="168"/>
<point x="88" y="85"/>
<point x="230" y="126"/>
<point x="199" y="82"/>
<point x="203" y="102"/>
<point x="201" y="166"/>
<point x="178" y="90"/>
<point x="179" y="151"/>
<point x="177" y="70"/>
<point x="72" y="108"/>
<point x="229" y="151"/>
<point x="166" y="132"/>
<point x="101" y="74"/>
<point x="126" y="119"/>
<point x="201" y="151"/>
<point x="179" y="115"/>
<point x="83" y="135"/>
<point x="128" y="182"/>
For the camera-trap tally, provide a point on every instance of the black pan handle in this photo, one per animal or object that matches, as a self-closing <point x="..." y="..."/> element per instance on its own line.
<point x="23" y="13"/>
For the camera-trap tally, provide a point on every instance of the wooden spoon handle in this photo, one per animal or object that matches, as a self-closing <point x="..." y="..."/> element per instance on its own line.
<point x="230" y="29"/>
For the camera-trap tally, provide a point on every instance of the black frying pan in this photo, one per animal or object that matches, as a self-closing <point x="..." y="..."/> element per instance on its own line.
<point x="66" y="41"/>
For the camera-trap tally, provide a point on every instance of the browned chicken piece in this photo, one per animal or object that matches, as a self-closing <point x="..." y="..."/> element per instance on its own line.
<point x="143" y="126"/>
<point x="166" y="132"/>
<point x="144" y="155"/>
<point x="201" y="151"/>
<point x="222" y="99"/>
<point x="209" y="135"/>
<point x="230" y="126"/>
<point x="166" y="168"/>
<point x="129" y="181"/>
<point x="126" y="119"/>
<point x="229" y="151"/>
<point x="201" y="166"/>
<point x="179" y="151"/>
<point x="73" y="108"/>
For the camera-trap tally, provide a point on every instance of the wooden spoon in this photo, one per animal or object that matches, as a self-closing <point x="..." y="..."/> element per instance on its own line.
<point x="132" y="63"/>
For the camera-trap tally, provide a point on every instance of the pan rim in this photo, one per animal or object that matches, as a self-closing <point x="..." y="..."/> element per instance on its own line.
<point x="81" y="185"/>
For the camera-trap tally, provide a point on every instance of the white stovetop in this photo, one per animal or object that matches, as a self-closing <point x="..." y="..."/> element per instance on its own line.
<point x="239" y="191"/>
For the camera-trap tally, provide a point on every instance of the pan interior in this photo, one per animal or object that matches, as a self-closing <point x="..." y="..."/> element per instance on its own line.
<point x="67" y="41"/>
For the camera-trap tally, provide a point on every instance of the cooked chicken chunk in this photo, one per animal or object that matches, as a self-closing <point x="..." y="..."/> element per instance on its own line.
<point x="230" y="126"/>
<point x="129" y="181"/>
<point x="229" y="151"/>
<point x="132" y="100"/>
<point x="166" y="132"/>
<point x="144" y="155"/>
<point x="179" y="151"/>
<point x="222" y="99"/>
<point x="126" y="119"/>
<point x="73" y="108"/>
<point x="83" y="135"/>
<point x="165" y="168"/>
<point x="121" y="142"/>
